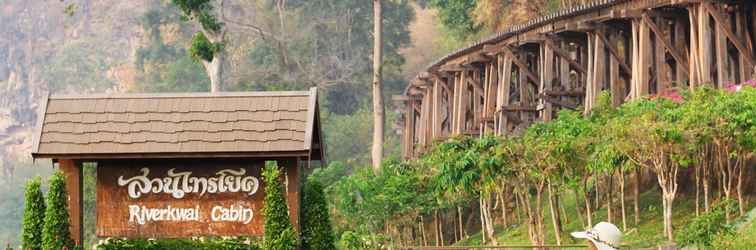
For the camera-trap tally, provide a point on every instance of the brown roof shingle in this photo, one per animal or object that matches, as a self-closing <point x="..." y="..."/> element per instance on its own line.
<point x="231" y="122"/>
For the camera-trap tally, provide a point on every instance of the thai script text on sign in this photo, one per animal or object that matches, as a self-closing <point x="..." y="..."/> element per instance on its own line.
<point x="178" y="184"/>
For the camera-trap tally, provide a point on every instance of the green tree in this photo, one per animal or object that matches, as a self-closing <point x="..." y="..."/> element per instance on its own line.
<point x="56" y="232"/>
<point x="455" y="16"/>
<point x="207" y="45"/>
<point x="316" y="223"/>
<point x="34" y="214"/>
<point x="279" y="233"/>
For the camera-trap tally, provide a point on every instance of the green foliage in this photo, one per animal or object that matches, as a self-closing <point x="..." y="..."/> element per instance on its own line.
<point x="279" y="233"/>
<point x="455" y="16"/>
<point x="703" y="230"/>
<point x="362" y="241"/>
<point x="202" y="48"/>
<point x="179" y="244"/>
<point x="202" y="11"/>
<point x="56" y="231"/>
<point x="317" y="233"/>
<point x="366" y="200"/>
<point x="34" y="214"/>
<point x="570" y="151"/>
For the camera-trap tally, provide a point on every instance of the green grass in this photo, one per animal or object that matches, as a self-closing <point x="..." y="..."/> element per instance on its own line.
<point x="648" y="233"/>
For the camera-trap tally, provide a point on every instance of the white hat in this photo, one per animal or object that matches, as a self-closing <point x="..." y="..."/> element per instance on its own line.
<point x="604" y="235"/>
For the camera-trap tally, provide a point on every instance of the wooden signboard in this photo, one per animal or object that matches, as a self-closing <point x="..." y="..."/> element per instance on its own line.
<point x="184" y="198"/>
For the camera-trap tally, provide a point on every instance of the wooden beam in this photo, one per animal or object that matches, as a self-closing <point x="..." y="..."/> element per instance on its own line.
<point x="477" y="58"/>
<point x="564" y="55"/>
<point x="559" y="102"/>
<point x="672" y="50"/>
<point x="572" y="93"/>
<point x="523" y="67"/>
<point x="515" y="108"/>
<point x="72" y="169"/>
<point x="614" y="52"/>
<point x="455" y="68"/>
<point x="719" y="20"/>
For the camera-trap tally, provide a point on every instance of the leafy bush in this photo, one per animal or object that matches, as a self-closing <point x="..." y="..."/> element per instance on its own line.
<point x="34" y="214"/>
<point x="316" y="223"/>
<point x="362" y="241"/>
<point x="279" y="234"/>
<point x="702" y="230"/>
<point x="180" y="244"/>
<point x="202" y="48"/>
<point x="56" y="232"/>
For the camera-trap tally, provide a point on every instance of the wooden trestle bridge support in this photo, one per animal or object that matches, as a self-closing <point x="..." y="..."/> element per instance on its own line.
<point x="631" y="48"/>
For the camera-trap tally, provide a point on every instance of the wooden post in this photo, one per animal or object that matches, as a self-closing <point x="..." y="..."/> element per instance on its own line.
<point x="524" y="88"/>
<point x="741" y="61"/>
<point x="506" y="81"/>
<point x="642" y="59"/>
<point x="588" y="101"/>
<point x="615" y="86"/>
<point x="694" y="64"/>
<point x="73" y="171"/>
<point x="564" y="70"/>
<point x="436" y="109"/>
<point x="720" y="43"/>
<point x="680" y="75"/>
<point x="704" y="53"/>
<point x="645" y="57"/>
<point x="547" y="75"/>
<point x="660" y="57"/>
<point x="462" y="103"/>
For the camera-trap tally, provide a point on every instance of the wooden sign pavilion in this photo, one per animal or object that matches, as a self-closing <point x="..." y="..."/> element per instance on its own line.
<point x="180" y="165"/>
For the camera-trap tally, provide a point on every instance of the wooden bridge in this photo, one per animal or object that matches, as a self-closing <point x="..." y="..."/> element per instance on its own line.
<point x="630" y="48"/>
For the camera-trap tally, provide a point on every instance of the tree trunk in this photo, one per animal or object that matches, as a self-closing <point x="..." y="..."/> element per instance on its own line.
<point x="486" y="220"/>
<point x="741" y="165"/>
<point x="422" y="231"/>
<point x="461" y="225"/>
<point x="378" y="118"/>
<point x="214" y="70"/>
<point x="539" y="215"/>
<point x="596" y="199"/>
<point x="610" y="203"/>
<point x="483" y="226"/>
<point x="503" y="202"/>
<point x="706" y="186"/>
<point x="636" y="195"/>
<point x="587" y="201"/>
<point x="622" y="200"/>
<point x="577" y="209"/>
<point x="439" y="229"/>
<point x="668" y="217"/>
<point x="697" y="171"/>
<point x="554" y="217"/>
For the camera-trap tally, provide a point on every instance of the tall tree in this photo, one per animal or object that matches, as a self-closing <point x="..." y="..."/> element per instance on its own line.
<point x="207" y="45"/>
<point x="56" y="233"/>
<point x="279" y="233"/>
<point x="378" y="116"/>
<point x="316" y="223"/>
<point x="34" y="214"/>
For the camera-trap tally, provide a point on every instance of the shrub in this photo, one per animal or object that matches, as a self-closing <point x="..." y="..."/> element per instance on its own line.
<point x="316" y="224"/>
<point x="179" y="244"/>
<point x="702" y="230"/>
<point x="279" y="233"/>
<point x="34" y="214"/>
<point x="56" y="232"/>
<point x="363" y="241"/>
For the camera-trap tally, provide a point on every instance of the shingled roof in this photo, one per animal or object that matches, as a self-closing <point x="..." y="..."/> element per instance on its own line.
<point x="180" y="125"/>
